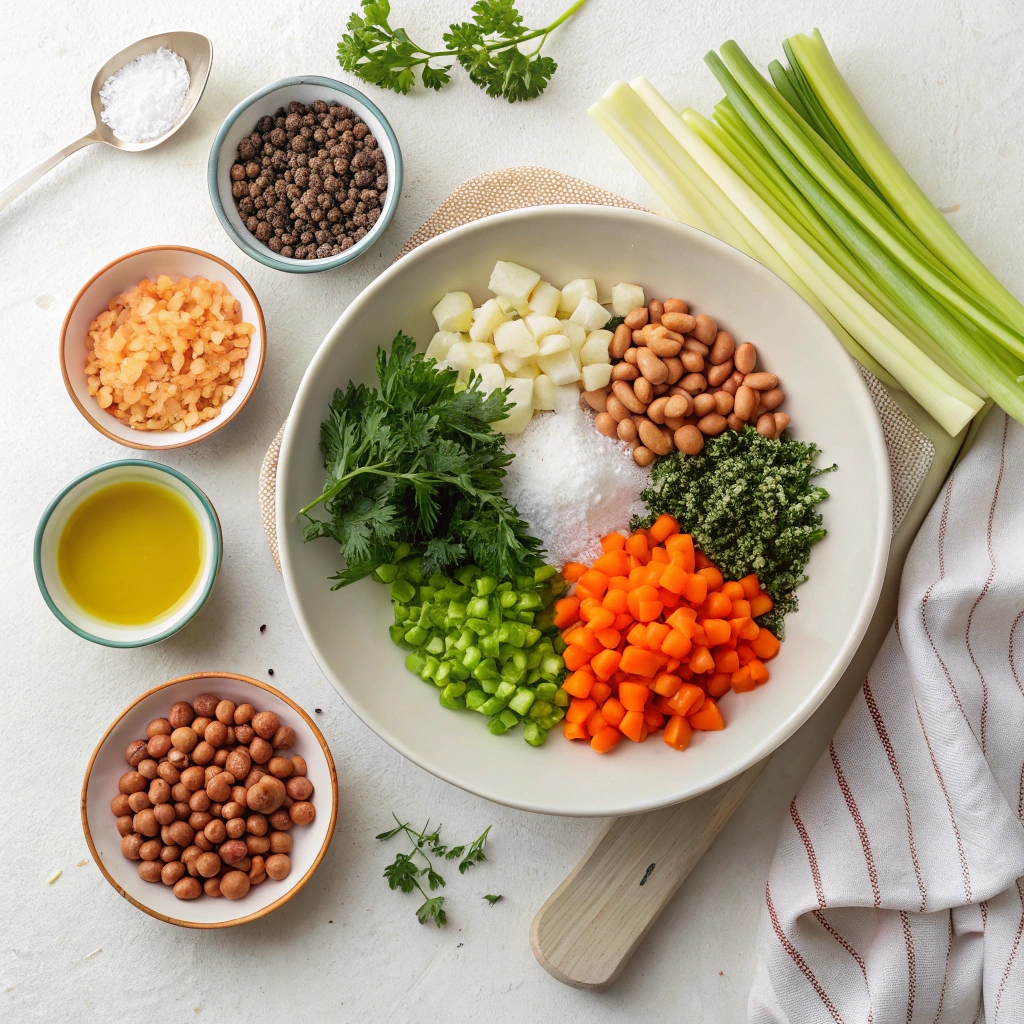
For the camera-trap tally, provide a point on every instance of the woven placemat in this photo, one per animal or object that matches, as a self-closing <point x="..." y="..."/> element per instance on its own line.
<point x="910" y="450"/>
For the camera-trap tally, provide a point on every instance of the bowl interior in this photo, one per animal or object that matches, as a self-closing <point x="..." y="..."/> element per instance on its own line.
<point x="310" y="841"/>
<point x="124" y="275"/>
<point x="829" y="403"/>
<point x="242" y="122"/>
<point x="53" y="525"/>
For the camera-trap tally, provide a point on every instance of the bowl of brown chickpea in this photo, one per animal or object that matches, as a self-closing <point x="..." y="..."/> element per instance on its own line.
<point x="210" y="800"/>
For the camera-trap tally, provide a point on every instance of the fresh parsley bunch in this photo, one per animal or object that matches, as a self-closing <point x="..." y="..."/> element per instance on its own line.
<point x="418" y="463"/>
<point x="488" y="47"/>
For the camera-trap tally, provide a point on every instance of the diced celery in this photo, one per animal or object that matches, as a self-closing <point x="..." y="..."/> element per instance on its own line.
<point x="552" y="665"/>
<point x="478" y="607"/>
<point x="547" y="691"/>
<point x="560" y="699"/>
<point x="485" y="585"/>
<point x="402" y="591"/>
<point x="415" y="635"/>
<point x="471" y="657"/>
<point x="522" y="701"/>
<point x="496" y="727"/>
<point x="455" y="703"/>
<point x="510" y="718"/>
<point x="436" y="645"/>
<point x="467" y="574"/>
<point x="474" y="698"/>
<point x="534" y="734"/>
<point x="545" y="572"/>
<point x="397" y="633"/>
<point x="387" y="573"/>
<point x="541" y="708"/>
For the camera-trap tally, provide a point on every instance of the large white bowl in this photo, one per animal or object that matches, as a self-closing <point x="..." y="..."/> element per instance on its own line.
<point x="829" y="403"/>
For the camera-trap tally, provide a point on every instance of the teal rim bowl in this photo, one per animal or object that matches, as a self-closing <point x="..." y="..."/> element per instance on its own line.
<point x="242" y="121"/>
<point x="55" y="518"/>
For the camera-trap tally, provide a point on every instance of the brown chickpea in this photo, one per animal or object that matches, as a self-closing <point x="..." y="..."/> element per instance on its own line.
<point x="257" y="844"/>
<point x="187" y="889"/>
<point x="235" y="828"/>
<point x="180" y="793"/>
<point x="145" y="823"/>
<point x="267" y="795"/>
<point x="260" y="750"/>
<point x="215" y="831"/>
<point x="198" y="820"/>
<point x="169" y="854"/>
<point x="280" y="842"/>
<point x="238" y="763"/>
<point x="172" y="872"/>
<point x="257" y="876"/>
<point x="131" y="782"/>
<point x="149" y="870"/>
<point x="200" y="800"/>
<point x="178" y="758"/>
<point x="212" y="887"/>
<point x="119" y="805"/>
<point x="230" y="741"/>
<point x="245" y="864"/>
<point x="206" y="705"/>
<point x="180" y="715"/>
<point x="203" y="753"/>
<point x="200" y="725"/>
<point x="151" y="850"/>
<point x="168" y="773"/>
<point x="139" y="802"/>
<point x="283" y="738"/>
<point x="278" y="866"/>
<point x="216" y="734"/>
<point x="232" y="810"/>
<point x="193" y="778"/>
<point x="265" y="723"/>
<point x="234" y="884"/>
<point x="184" y="739"/>
<point x="280" y="767"/>
<point x="253" y="777"/>
<point x="203" y="843"/>
<point x="208" y="864"/>
<point x="181" y="832"/>
<point x="124" y="825"/>
<point x="256" y="825"/>
<point x="211" y="772"/>
<point x="219" y="787"/>
<point x="233" y="851"/>
<point x="280" y="820"/>
<point x="215" y="809"/>
<point x="220" y="758"/>
<point x="182" y="811"/>
<point x="159" y="791"/>
<point x="159" y="745"/>
<point x="189" y="854"/>
<point x="298" y="765"/>
<point x="242" y="714"/>
<point x="158" y="727"/>
<point x="239" y="794"/>
<point x="244" y="734"/>
<point x="225" y="712"/>
<point x="288" y="801"/>
<point x="130" y="846"/>
<point x="302" y="813"/>
<point x="299" y="788"/>
<point x="136" y="752"/>
<point x="164" y="813"/>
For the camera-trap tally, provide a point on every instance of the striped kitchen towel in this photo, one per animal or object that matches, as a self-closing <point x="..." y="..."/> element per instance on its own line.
<point x="896" y="892"/>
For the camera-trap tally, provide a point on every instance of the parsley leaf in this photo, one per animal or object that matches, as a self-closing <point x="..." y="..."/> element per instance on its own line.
<point x="488" y="47"/>
<point x="475" y="854"/>
<point x="432" y="911"/>
<point x="492" y="899"/>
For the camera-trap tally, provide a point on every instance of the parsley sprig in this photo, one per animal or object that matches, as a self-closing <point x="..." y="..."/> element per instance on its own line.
<point x="489" y="47"/>
<point x="418" y="463"/>
<point x="407" y="869"/>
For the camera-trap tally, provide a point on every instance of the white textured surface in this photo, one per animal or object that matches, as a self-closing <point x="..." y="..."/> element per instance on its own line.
<point x="944" y="82"/>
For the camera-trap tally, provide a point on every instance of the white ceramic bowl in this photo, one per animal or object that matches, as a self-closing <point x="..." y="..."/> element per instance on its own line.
<point x="55" y="518"/>
<point x="124" y="274"/>
<point x="242" y="121"/>
<point x="108" y="764"/>
<point x="829" y="403"/>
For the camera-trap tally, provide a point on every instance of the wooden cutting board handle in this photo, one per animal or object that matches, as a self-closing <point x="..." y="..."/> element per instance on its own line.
<point x="590" y="925"/>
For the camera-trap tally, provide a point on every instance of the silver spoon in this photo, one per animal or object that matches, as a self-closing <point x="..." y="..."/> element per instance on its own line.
<point x="196" y="51"/>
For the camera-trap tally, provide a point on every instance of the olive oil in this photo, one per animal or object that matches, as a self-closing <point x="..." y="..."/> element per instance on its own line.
<point x="130" y="552"/>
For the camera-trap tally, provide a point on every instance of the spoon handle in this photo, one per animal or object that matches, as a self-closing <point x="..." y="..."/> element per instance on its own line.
<point x="12" y="192"/>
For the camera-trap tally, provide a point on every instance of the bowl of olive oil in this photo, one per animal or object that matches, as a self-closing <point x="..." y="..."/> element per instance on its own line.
<point x="127" y="553"/>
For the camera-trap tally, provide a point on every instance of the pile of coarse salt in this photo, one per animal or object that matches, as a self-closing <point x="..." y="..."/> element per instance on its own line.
<point x="142" y="100"/>
<point x="570" y="483"/>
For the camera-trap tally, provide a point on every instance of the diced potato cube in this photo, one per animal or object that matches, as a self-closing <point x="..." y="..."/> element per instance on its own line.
<point x="515" y="336"/>
<point x="521" y="397"/>
<point x="440" y="343"/>
<point x="595" y="349"/>
<point x="544" y="299"/>
<point x="479" y="353"/>
<point x="597" y="375"/>
<point x="553" y="343"/>
<point x="458" y="358"/>
<point x="560" y="367"/>
<point x="511" y="306"/>
<point x="544" y="394"/>
<point x="590" y="315"/>
<point x="573" y="292"/>
<point x="513" y="363"/>
<point x="491" y="376"/>
<point x="488" y="317"/>
<point x="513" y="280"/>
<point x="530" y="370"/>
<point x="454" y="312"/>
<point x="541" y="326"/>
<point x="626" y="297"/>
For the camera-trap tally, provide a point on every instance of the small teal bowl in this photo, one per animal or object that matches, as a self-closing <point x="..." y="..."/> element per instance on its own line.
<point x="242" y="121"/>
<point x="55" y="518"/>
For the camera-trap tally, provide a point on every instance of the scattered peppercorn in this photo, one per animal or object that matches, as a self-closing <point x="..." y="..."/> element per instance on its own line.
<point x="270" y="671"/>
<point x="310" y="181"/>
<point x="263" y="628"/>
<point x="318" y="711"/>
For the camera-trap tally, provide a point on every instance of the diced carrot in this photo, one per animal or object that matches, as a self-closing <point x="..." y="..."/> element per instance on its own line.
<point x="687" y="699"/>
<point x="596" y="582"/>
<point x="606" y="739"/>
<point x="696" y="589"/>
<point x="613" y="542"/>
<point x="713" y="576"/>
<point x="579" y="684"/>
<point x="758" y="673"/>
<point x="741" y="609"/>
<point x="680" y="549"/>
<point x="716" y="631"/>
<point x="745" y="653"/>
<point x="648" y="611"/>
<point x="635" y="563"/>
<point x="580" y="710"/>
<point x="760" y="605"/>
<point x="637" y="576"/>
<point x="678" y="732"/>
<point x="751" y="586"/>
<point x="674" y="578"/>
<point x="698" y="638"/>
<point x="747" y="629"/>
<point x="583" y="592"/>
<point x="595" y="722"/>
<point x="666" y="684"/>
<point x="609" y="638"/>
<point x="575" y="657"/>
<point x="637" y="661"/>
<point x="575" y="730"/>
<point x="653" y="718"/>
<point x="701" y="561"/>
<point x="718" y="606"/>
<point x="633" y="696"/>
<point x="672" y="664"/>
<point x="708" y="717"/>
<point x="659" y="554"/>
<point x="683" y="619"/>
<point x="638" y="547"/>
<point x="604" y="663"/>
<point x="583" y="636"/>
<point x="719" y="684"/>
<point x="656" y="633"/>
<point x="685" y="673"/>
<point x="600" y="691"/>
<point x="765" y="645"/>
<point x="645" y="592"/>
<point x="701" y="660"/>
<point x="572" y="571"/>
<point x="733" y="590"/>
<point x="667" y="598"/>
<point x="663" y="527"/>
<point x="741" y="681"/>
<point x="612" y="563"/>
<point x="726" y="661"/>
<point x="615" y="600"/>
<point x="633" y="726"/>
<point x="567" y="611"/>
<point x="612" y="711"/>
<point x="653" y="572"/>
<point x="624" y="620"/>
<point x="661" y="704"/>
<point x="677" y="644"/>
<point x="599" y="618"/>
<point x="637" y="636"/>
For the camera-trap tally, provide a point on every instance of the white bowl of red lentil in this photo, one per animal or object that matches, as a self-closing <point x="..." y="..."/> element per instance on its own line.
<point x="122" y="275"/>
<point x="274" y="100"/>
